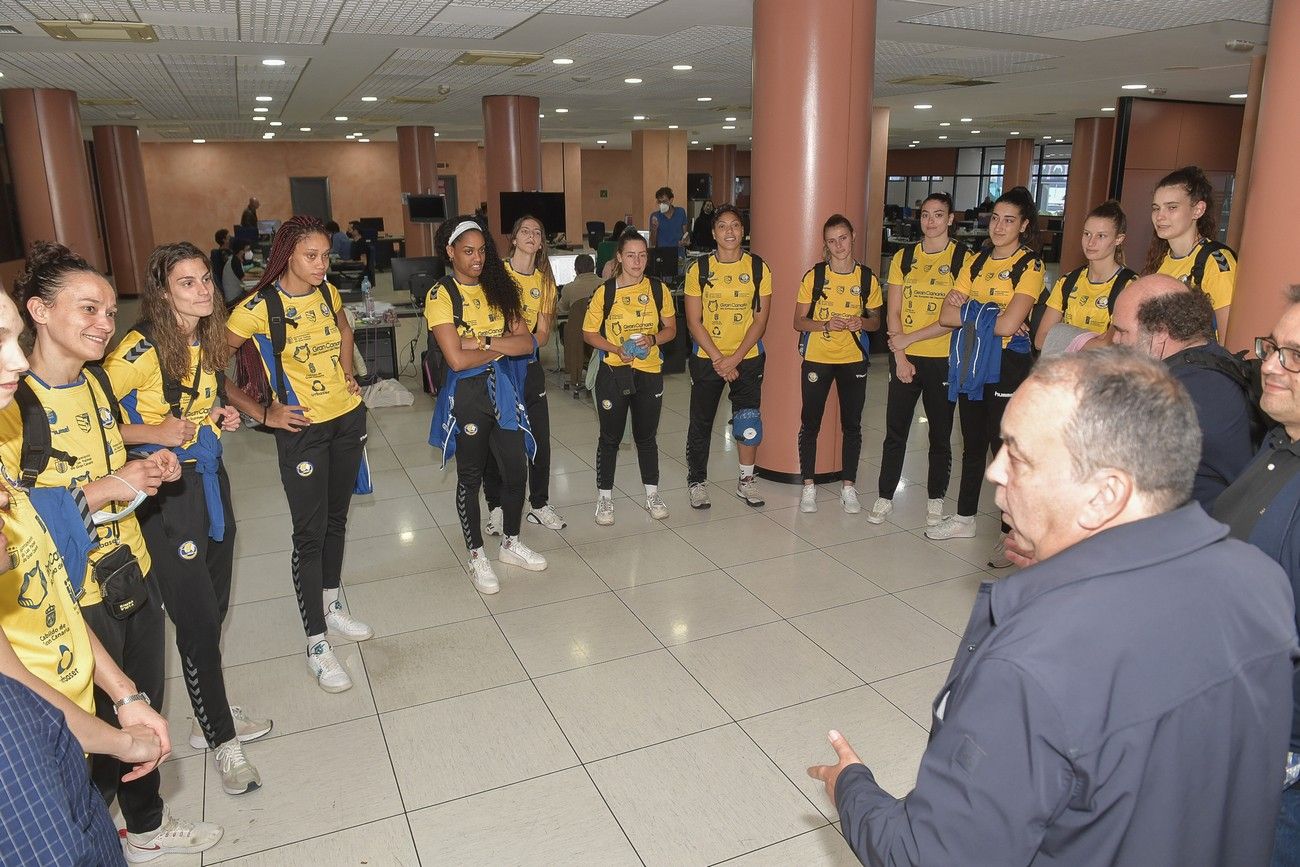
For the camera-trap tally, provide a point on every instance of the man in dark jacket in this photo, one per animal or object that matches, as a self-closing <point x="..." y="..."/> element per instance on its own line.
<point x="1263" y="507"/>
<point x="1124" y="700"/>
<point x="1161" y="317"/>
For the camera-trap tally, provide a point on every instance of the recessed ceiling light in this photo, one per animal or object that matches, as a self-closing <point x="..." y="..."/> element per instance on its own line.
<point x="967" y="119"/>
<point x="1133" y="87"/>
<point x="562" y="61"/>
<point x="200" y="141"/>
<point x="268" y="135"/>
<point x="943" y="138"/>
<point x="262" y="98"/>
<point x="1015" y="132"/>
<point x="672" y="126"/>
<point x="728" y="126"/>
<point x="631" y="81"/>
<point x="304" y="129"/>
<point x="601" y="141"/>
<point x="944" y="123"/>
<point x="276" y="123"/>
<point x="261" y="109"/>
<point x="436" y="134"/>
<point x="704" y="99"/>
<point x="561" y="111"/>
<point x="363" y="139"/>
<point x="539" y="114"/>
<point x="1059" y="140"/>
<point x="272" y="61"/>
<point x="682" y="67"/>
<point x="922" y="106"/>
<point x="708" y="149"/>
<point x="916" y="141"/>
<point x="1048" y="137"/>
<point x="638" y="117"/>
<point x="911" y="145"/>
<point x="974" y="132"/>
<point x="370" y="99"/>
<point x="1108" y="108"/>
<point x="1238" y="95"/>
<point x="259" y="117"/>
<point x="729" y="119"/>
<point x="340" y="117"/>
<point x="695" y="141"/>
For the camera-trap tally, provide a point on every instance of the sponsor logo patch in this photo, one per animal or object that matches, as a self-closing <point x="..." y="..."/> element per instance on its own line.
<point x="471" y="429"/>
<point x="607" y="404"/>
<point x="305" y="468"/>
<point x="188" y="550"/>
<point x="1103" y="302"/>
<point x="944" y="269"/>
<point x="812" y="376"/>
<point x="744" y="278"/>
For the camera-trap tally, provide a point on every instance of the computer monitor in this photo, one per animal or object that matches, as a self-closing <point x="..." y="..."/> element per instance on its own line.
<point x="644" y="233"/>
<point x="246" y="233"/>
<point x="662" y="263"/>
<point x="563" y="266"/>
<point x="546" y="207"/>
<point x="370" y="227"/>
<point x="415" y="274"/>
<point x="267" y="227"/>
<point x="426" y="209"/>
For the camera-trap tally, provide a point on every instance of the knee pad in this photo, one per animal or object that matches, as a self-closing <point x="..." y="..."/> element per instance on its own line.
<point x="747" y="427"/>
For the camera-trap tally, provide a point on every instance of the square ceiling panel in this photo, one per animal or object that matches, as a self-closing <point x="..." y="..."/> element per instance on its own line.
<point x="189" y="7"/>
<point x="67" y="10"/>
<point x="604" y="8"/>
<point x="388" y="17"/>
<point x="299" y="22"/>
<point x="1041" y="17"/>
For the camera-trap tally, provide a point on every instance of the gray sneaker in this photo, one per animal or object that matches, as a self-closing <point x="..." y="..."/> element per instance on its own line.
<point x="605" y="512"/>
<point x="700" y="496"/>
<point x="656" y="506"/>
<point x="237" y="773"/>
<point x="747" y="491"/>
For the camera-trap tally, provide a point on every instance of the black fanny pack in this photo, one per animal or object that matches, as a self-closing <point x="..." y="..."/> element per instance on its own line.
<point x="121" y="582"/>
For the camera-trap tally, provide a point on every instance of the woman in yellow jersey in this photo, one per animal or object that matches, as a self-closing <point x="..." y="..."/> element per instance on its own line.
<point x="1007" y="274"/>
<point x="838" y="303"/>
<point x="167" y="374"/>
<point x="727" y="308"/>
<point x="477" y="318"/>
<point x="1186" y="245"/>
<point x="1084" y="297"/>
<point x="531" y="269"/>
<point x="920" y="277"/>
<point x="319" y="423"/>
<point x="72" y="308"/>
<point x="628" y="319"/>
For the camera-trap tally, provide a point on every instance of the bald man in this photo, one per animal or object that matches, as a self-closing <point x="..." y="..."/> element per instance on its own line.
<point x="1163" y="318"/>
<point x="248" y="219"/>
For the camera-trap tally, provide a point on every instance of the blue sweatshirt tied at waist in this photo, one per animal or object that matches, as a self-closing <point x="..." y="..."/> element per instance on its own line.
<point x="205" y="451"/>
<point x="975" y="353"/>
<point x="505" y="384"/>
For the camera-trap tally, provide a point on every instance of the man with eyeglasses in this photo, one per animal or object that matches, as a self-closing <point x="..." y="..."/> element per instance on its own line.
<point x="1263" y="507"/>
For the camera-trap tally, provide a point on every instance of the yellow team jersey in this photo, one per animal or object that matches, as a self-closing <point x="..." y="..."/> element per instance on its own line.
<point x="1089" y="304"/>
<point x="312" y="371"/>
<point x="479" y="319"/>
<point x="993" y="282"/>
<point x="633" y="313"/>
<point x="537" y="293"/>
<point x="728" y="300"/>
<point x="924" y="288"/>
<point x="135" y="370"/>
<point x="38" y="613"/>
<point x="81" y="420"/>
<point x="1219" y="280"/>
<point x="842" y="294"/>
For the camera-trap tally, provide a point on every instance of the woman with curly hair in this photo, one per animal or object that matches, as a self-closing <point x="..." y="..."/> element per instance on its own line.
<point x="319" y="422"/>
<point x="167" y="373"/>
<point x="477" y="318"/>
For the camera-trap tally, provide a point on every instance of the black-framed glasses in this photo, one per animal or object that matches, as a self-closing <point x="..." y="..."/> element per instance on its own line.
<point x="1287" y="357"/>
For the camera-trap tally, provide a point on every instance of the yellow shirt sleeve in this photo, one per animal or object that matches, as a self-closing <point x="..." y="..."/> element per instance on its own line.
<point x="125" y="376"/>
<point x="1218" y="283"/>
<point x="1031" y="282"/>
<point x="248" y="318"/>
<point x="875" y="298"/>
<point x="335" y="299"/>
<point x="963" y="283"/>
<point x="805" y="289"/>
<point x="693" y="279"/>
<point x="437" y="308"/>
<point x="895" y="276"/>
<point x="765" y="287"/>
<point x="668" y="310"/>
<point x="1054" y="300"/>
<point x="595" y="309"/>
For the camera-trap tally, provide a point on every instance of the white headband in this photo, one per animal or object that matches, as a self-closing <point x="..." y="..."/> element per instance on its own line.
<point x="463" y="227"/>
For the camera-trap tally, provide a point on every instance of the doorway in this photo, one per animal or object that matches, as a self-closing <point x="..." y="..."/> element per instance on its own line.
<point x="311" y="196"/>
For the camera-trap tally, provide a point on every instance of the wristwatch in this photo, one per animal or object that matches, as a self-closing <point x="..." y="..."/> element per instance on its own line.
<point x="487" y="342"/>
<point x="139" y="696"/>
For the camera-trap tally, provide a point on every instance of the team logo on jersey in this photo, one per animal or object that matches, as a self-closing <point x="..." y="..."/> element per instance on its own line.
<point x="727" y="279"/>
<point x="737" y="317"/>
<point x="32" y="602"/>
<point x="1002" y="275"/>
<point x="812" y="376"/>
<point x="856" y="290"/>
<point x="1186" y="278"/>
<point x="1102" y="302"/>
<point x="50" y="616"/>
<point x="607" y="404"/>
<point x="477" y="303"/>
<point x="535" y="292"/>
<point x="744" y="278"/>
<point x="105" y="416"/>
<point x="292" y="313"/>
<point x="188" y="550"/>
<point x="52" y="416"/>
<point x="944" y="269"/>
<point x="311" y="316"/>
<point x="83" y="421"/>
<point x="840" y="289"/>
<point x="643" y="298"/>
<point x="317" y="387"/>
<point x="471" y="429"/>
<point x="324" y="309"/>
<point x="713" y="305"/>
<point x="65" y="658"/>
<point x="305" y="468"/>
<point x="301" y="353"/>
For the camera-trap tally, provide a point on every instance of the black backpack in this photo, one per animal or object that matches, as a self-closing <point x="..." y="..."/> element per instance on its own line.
<point x="1209" y="249"/>
<point x="1246" y="373"/>
<point x="611" y="290"/>
<point x="819" y="285"/>
<point x="435" y="363"/>
<point x="909" y="258"/>
<point x="173" y="389"/>
<point x="1018" y="268"/>
<point x="756" y="265"/>
<point x="1122" y="279"/>
<point x="38" y="447"/>
<point x="250" y="375"/>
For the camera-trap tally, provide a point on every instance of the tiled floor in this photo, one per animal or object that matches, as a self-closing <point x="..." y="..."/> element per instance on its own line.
<point x="653" y="697"/>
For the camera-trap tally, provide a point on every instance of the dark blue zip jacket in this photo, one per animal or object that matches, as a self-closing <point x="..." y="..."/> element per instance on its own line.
<point x="505" y="386"/>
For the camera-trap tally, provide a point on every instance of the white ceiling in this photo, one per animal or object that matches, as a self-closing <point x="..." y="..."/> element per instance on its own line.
<point x="1049" y="62"/>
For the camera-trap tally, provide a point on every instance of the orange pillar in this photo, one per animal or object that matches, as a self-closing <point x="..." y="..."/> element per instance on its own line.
<point x="562" y="173"/>
<point x="417" y="169"/>
<point x="1086" y="188"/>
<point x="659" y="155"/>
<point x="724" y="174"/>
<point x="512" y="145"/>
<point x="826" y="86"/>
<point x="1264" y="275"/>
<point x="876" y="189"/>
<point x="51" y="175"/>
<point x="1016" y="169"/>
<point x="126" y="205"/>
<point x="1245" y="152"/>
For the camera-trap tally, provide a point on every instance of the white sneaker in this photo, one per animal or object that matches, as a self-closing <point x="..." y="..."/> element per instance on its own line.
<point x="747" y="491"/>
<point x="330" y="673"/>
<point x="494" y="522"/>
<point x="934" y="512"/>
<point x="952" y="527"/>
<point x="480" y="572"/>
<point x="849" y="499"/>
<point x="343" y="626"/>
<point x="605" y="511"/>
<point x="699" y="494"/>
<point x="547" y="517"/>
<point x="808" y="499"/>
<point x="247" y="728"/>
<point x="656" y="506"/>
<point x="173" y="837"/>
<point x="999" y="559"/>
<point x="237" y="773"/>
<point x="880" y="510"/>
<point x="516" y="553"/>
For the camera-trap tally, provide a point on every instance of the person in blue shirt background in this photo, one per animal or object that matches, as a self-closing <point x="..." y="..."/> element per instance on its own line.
<point x="668" y="226"/>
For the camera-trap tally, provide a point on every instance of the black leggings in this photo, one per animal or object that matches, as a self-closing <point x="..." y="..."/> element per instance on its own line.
<point x="851" y="383"/>
<point x="192" y="575"/>
<point x="136" y="645"/>
<point x="539" y="421"/>
<point x="930" y="385"/>
<point x="706" y="391"/>
<point x="318" y="467"/>
<point x="480" y="442"/>
<point x="981" y="428"/>
<point x="618" y="391"/>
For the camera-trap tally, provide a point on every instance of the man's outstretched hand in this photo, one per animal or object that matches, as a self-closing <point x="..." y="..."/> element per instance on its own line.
<point x="830" y="774"/>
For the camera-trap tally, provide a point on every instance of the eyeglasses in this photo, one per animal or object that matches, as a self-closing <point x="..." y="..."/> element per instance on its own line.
<point x="1287" y="357"/>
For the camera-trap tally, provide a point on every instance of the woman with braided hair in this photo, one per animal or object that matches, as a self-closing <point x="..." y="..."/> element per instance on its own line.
<point x="315" y="411"/>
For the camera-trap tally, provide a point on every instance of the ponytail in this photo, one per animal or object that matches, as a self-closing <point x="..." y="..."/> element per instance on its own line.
<point x="1199" y="189"/>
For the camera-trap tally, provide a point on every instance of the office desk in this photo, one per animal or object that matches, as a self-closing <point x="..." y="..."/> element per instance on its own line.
<point x="386" y="249"/>
<point x="377" y="344"/>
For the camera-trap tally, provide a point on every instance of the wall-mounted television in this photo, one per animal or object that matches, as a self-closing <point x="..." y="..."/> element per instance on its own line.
<point x="426" y="208"/>
<point x="547" y="207"/>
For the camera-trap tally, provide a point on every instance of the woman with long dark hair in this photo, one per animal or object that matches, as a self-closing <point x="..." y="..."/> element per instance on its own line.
<point x="1186" y="241"/>
<point x="72" y="310"/>
<point x="477" y="318"/>
<point x="1085" y="296"/>
<point x="315" y="411"/>
<point x="530" y="268"/>
<point x="1004" y="281"/>
<point x="167" y="373"/>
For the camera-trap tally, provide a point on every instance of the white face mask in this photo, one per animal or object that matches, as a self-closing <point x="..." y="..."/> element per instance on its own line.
<point x="664" y="207"/>
<point x="248" y="256"/>
<point x="104" y="516"/>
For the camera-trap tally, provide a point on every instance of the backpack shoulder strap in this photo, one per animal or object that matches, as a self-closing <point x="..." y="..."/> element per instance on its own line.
<point x="329" y="297"/>
<point x="1067" y="289"/>
<point x="172" y="389"/>
<point x="1027" y="258"/>
<point x="279" y="337"/>
<point x="756" y="267"/>
<point x="100" y="376"/>
<point x="457" y="300"/>
<point x="611" y="289"/>
<point x="657" y="292"/>
<point x="819" y="285"/>
<point x="959" y="252"/>
<point x="36" y="448"/>
<point x="909" y="257"/>
<point x="864" y="285"/>
<point x="703" y="273"/>
<point x="978" y="264"/>
<point x="1122" y="279"/>
<point x="1209" y="249"/>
